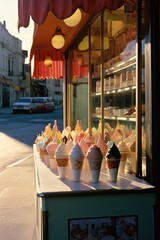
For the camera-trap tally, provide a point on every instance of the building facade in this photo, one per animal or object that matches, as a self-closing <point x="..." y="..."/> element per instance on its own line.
<point x="13" y="83"/>
<point x="49" y="87"/>
<point x="55" y="90"/>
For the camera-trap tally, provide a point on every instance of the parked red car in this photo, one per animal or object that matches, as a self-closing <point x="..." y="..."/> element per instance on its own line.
<point x="44" y="104"/>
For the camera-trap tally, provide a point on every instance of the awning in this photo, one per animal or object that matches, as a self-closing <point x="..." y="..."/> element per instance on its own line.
<point x="40" y="71"/>
<point x="47" y="15"/>
<point x="38" y="9"/>
<point x="41" y="46"/>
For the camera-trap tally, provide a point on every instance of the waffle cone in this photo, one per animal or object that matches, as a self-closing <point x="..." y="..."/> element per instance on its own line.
<point x="132" y="155"/>
<point x="114" y="163"/>
<point x="48" y="141"/>
<point x="104" y="154"/>
<point x="76" y="163"/>
<point x="124" y="156"/>
<point x="51" y="155"/>
<point x="133" y="160"/>
<point x="62" y="162"/>
<point x="43" y="153"/>
<point x="95" y="164"/>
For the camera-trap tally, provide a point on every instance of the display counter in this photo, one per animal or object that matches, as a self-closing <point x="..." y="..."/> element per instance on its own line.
<point x="84" y="210"/>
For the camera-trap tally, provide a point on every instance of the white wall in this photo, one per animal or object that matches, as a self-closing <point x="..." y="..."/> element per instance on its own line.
<point x="10" y="54"/>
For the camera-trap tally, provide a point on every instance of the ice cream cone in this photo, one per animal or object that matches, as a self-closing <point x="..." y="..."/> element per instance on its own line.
<point x="124" y="150"/>
<point x="95" y="167"/>
<point x="42" y="153"/>
<point x="61" y="156"/>
<point x="76" y="175"/>
<point x="51" y="148"/>
<point x="132" y="156"/>
<point x="69" y="146"/>
<point x="52" y="160"/>
<point x="85" y="163"/>
<point x="53" y="163"/>
<point x="94" y="156"/>
<point x="113" y="166"/>
<point x="103" y="165"/>
<point x="84" y="147"/>
<point x="122" y="164"/>
<point x="46" y="160"/>
<point x="76" y="157"/>
<point x="62" y="167"/>
<point x="103" y="146"/>
<point x="76" y="168"/>
<point x="51" y="154"/>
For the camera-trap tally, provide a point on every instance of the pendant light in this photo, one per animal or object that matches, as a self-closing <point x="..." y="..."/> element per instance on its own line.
<point x="48" y="61"/>
<point x="58" y="39"/>
<point x="74" y="19"/>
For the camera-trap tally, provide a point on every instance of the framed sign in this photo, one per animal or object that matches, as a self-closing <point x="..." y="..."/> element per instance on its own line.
<point x="103" y="228"/>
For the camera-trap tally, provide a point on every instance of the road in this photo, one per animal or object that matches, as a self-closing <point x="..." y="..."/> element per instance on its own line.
<point x="17" y="208"/>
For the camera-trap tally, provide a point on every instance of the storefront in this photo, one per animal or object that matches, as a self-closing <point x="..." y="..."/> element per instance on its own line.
<point x="111" y="86"/>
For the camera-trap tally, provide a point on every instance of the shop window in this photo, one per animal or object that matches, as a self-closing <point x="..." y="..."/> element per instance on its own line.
<point x="119" y="39"/>
<point x="96" y="81"/>
<point x="145" y="85"/>
<point x="79" y="86"/>
<point x="111" y="94"/>
<point x="57" y="83"/>
<point x="58" y="93"/>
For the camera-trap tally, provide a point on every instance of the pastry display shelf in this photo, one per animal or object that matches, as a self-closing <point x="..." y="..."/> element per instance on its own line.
<point x="121" y="118"/>
<point x="115" y="91"/>
<point x="118" y="67"/>
<point x="121" y="66"/>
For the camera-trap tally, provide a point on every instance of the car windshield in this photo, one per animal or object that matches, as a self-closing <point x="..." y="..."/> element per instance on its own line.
<point x="49" y="100"/>
<point x="24" y="100"/>
<point x="40" y="100"/>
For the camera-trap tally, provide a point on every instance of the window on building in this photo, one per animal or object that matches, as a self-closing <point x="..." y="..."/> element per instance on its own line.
<point x="57" y="83"/>
<point x="58" y="93"/>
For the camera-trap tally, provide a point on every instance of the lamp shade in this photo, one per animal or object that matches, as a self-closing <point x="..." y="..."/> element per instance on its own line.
<point x="74" y="19"/>
<point x="58" y="39"/>
<point x="48" y="61"/>
<point x="84" y="44"/>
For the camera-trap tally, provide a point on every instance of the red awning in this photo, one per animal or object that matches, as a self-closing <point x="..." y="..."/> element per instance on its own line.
<point x="55" y="71"/>
<point x="42" y="47"/>
<point x="47" y="14"/>
<point x="38" y="9"/>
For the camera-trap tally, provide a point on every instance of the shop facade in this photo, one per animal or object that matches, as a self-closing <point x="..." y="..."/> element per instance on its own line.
<point x="111" y="75"/>
<point x="111" y="85"/>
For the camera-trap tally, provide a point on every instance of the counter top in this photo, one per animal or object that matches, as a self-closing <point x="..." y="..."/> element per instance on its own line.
<point x="48" y="184"/>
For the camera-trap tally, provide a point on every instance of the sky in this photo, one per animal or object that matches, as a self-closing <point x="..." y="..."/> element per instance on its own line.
<point x="9" y="14"/>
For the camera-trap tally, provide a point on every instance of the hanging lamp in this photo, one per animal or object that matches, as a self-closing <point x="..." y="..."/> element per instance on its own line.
<point x="74" y="19"/>
<point x="48" y="61"/>
<point x="58" y="39"/>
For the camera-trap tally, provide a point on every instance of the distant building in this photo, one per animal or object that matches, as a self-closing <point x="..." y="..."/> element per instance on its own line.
<point x="15" y="75"/>
<point x="14" y="81"/>
<point x="55" y="90"/>
<point x="49" y="87"/>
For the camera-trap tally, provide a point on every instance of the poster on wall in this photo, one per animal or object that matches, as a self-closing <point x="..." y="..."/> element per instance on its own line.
<point x="103" y="228"/>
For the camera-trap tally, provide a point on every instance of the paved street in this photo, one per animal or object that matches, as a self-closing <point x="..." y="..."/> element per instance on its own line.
<point x="17" y="190"/>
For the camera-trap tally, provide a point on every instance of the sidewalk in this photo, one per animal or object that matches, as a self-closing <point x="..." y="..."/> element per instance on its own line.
<point x="17" y="188"/>
<point x="7" y="110"/>
<point x="17" y="203"/>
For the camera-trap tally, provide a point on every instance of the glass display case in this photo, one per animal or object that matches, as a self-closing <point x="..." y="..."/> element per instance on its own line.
<point x="119" y="94"/>
<point x="119" y="71"/>
<point x="114" y="90"/>
<point x="114" y="82"/>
